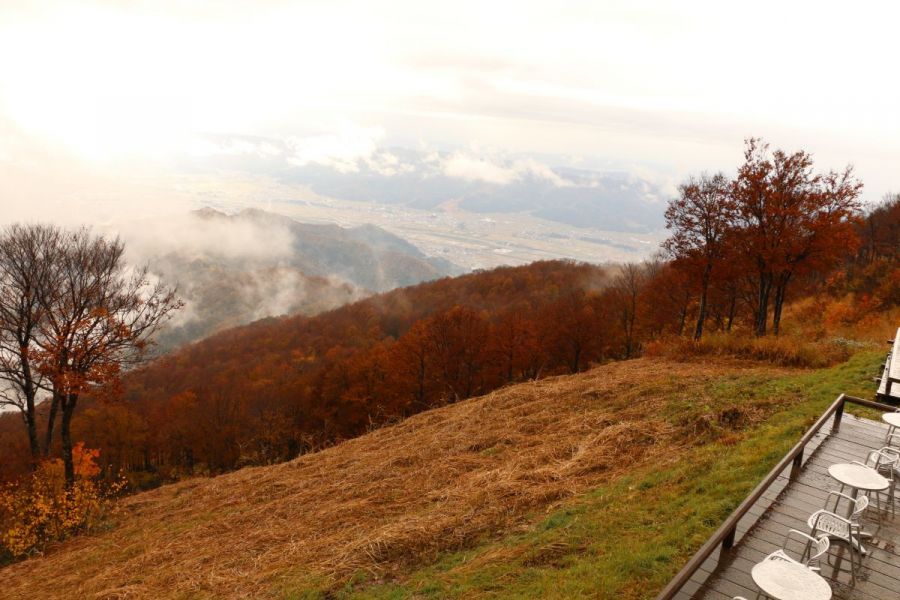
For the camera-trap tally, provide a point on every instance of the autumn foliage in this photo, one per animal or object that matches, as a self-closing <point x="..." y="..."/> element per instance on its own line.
<point x="776" y="222"/>
<point x="41" y="509"/>
<point x="281" y="387"/>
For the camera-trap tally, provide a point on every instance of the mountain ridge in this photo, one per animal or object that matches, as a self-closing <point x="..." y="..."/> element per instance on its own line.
<point x="232" y="269"/>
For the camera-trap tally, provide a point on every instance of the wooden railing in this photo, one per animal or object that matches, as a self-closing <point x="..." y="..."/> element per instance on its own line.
<point x="723" y="538"/>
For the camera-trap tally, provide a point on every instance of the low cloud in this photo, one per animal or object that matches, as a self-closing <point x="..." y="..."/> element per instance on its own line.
<point x="478" y="169"/>
<point x="196" y="237"/>
<point x="343" y="151"/>
<point x="473" y="168"/>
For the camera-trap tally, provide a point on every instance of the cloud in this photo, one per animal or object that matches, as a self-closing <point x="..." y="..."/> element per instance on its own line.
<point x="478" y="169"/>
<point x="343" y="151"/>
<point x="196" y="237"/>
<point x="348" y="150"/>
<point x="472" y="168"/>
<point x="541" y="171"/>
<point x="388" y="164"/>
<point x="204" y="146"/>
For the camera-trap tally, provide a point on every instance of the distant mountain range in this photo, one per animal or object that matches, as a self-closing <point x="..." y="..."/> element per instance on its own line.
<point x="610" y="201"/>
<point x="234" y="269"/>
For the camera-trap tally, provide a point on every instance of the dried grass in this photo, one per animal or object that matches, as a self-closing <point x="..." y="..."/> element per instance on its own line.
<point x="383" y="502"/>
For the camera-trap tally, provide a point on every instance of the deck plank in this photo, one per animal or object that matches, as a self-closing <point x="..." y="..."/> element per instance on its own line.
<point x="788" y="504"/>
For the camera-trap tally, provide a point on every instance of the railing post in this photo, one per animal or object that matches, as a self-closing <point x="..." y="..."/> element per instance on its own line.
<point x="798" y="462"/>
<point x="728" y="540"/>
<point x="838" y="413"/>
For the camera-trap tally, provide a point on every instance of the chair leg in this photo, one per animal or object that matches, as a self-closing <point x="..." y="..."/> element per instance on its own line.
<point x="806" y="551"/>
<point x="893" y="498"/>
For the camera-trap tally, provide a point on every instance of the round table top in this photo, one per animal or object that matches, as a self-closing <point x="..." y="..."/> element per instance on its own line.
<point x="892" y="419"/>
<point x="859" y="477"/>
<point x="790" y="581"/>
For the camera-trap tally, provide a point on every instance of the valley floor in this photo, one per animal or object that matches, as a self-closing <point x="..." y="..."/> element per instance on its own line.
<point x="594" y="485"/>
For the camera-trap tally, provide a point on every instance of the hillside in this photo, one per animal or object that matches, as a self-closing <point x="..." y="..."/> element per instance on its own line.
<point x="502" y="478"/>
<point x="234" y="269"/>
<point x="267" y="391"/>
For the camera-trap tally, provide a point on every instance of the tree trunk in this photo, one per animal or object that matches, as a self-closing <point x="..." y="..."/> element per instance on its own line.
<point x="32" y="432"/>
<point x="629" y="329"/>
<point x="780" y="291"/>
<point x="576" y="360"/>
<point x="420" y="392"/>
<point x="701" y="313"/>
<point x="66" y="435"/>
<point x="51" y="421"/>
<point x="731" y="310"/>
<point x="30" y="420"/>
<point x="762" y="309"/>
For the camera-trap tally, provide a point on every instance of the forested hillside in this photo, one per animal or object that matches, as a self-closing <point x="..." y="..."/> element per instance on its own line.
<point x="279" y="387"/>
<point x="231" y="270"/>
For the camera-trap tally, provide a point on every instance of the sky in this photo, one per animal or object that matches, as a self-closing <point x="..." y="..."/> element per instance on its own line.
<point x="104" y="99"/>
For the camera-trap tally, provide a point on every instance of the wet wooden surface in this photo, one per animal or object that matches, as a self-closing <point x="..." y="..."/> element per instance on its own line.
<point x="788" y="504"/>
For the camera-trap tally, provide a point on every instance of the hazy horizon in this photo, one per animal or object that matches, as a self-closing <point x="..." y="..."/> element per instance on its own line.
<point x="114" y="112"/>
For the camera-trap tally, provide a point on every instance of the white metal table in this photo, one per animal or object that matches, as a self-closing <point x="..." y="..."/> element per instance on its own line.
<point x="858" y="477"/>
<point x="786" y="580"/>
<point x="892" y="419"/>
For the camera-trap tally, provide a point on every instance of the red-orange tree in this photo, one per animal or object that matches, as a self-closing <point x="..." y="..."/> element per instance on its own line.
<point x="97" y="318"/>
<point x="700" y="219"/>
<point x="789" y="219"/>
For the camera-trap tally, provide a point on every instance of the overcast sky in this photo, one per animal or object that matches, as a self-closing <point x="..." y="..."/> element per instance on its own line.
<point x="661" y="88"/>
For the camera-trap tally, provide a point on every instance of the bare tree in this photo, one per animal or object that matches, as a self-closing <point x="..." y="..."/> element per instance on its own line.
<point x="627" y="286"/>
<point x="98" y="319"/>
<point x="27" y="253"/>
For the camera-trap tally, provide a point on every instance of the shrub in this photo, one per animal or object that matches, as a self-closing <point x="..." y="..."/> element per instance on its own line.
<point x="780" y="350"/>
<point x="40" y="509"/>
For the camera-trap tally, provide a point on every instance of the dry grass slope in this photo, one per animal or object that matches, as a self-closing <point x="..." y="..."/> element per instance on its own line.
<point x="394" y="498"/>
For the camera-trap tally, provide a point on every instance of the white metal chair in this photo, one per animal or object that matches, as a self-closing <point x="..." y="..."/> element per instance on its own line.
<point x="892" y="473"/>
<point x="892" y="439"/>
<point x="814" y="549"/>
<point x="846" y="529"/>
<point x="885" y="462"/>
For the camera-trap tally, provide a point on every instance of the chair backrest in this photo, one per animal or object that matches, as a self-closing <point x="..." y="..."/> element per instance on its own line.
<point x="883" y="461"/>
<point x="891" y="453"/>
<point x="862" y="503"/>
<point x="873" y="459"/>
<point x="822" y="545"/>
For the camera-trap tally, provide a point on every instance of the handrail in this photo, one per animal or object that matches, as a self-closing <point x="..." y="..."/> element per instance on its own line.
<point x="724" y="535"/>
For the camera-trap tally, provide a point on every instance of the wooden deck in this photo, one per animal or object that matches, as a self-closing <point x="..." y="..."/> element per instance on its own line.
<point x="786" y="505"/>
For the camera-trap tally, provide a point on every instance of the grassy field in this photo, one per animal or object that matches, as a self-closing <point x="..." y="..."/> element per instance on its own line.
<point x="626" y="539"/>
<point x="596" y="485"/>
